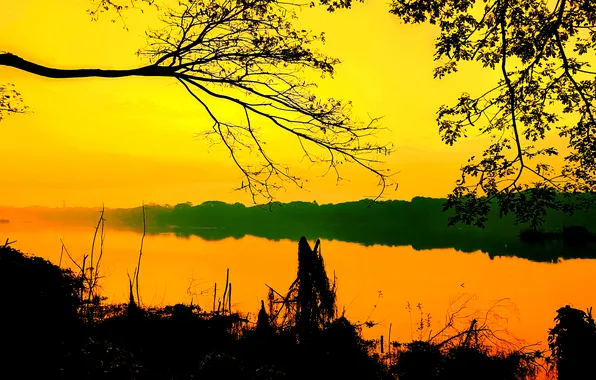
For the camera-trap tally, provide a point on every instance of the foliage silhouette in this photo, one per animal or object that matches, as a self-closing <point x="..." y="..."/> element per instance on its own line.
<point x="119" y="7"/>
<point x="471" y="353"/>
<point x="542" y="51"/>
<point x="39" y="318"/>
<point x="573" y="343"/>
<point x="46" y="337"/>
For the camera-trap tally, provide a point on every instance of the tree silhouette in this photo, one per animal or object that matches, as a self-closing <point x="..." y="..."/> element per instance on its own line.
<point x="542" y="50"/>
<point x="119" y="6"/>
<point x="249" y="54"/>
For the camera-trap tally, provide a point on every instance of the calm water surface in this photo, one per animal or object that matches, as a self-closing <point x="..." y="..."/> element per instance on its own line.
<point x="527" y="294"/>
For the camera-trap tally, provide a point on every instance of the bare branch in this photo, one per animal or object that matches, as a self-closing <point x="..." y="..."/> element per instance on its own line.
<point x="249" y="54"/>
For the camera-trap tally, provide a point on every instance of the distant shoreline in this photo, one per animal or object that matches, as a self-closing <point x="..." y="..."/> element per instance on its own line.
<point x="419" y="223"/>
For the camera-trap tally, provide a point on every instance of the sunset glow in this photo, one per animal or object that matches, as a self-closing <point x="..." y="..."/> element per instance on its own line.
<point x="125" y="141"/>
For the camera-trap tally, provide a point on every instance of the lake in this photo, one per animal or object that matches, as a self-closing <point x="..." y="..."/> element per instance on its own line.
<point x="522" y="295"/>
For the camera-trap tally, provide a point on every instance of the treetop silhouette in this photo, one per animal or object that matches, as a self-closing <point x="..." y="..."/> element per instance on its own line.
<point x="543" y="51"/>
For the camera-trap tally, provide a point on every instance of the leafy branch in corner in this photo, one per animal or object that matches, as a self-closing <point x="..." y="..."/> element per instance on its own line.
<point x="541" y="50"/>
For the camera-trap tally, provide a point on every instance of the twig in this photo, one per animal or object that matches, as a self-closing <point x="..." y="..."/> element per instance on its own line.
<point x="102" y="238"/>
<point x="230" y="299"/>
<point x="61" y="253"/>
<point x="138" y="269"/>
<point x="379" y="295"/>
<point x="69" y="256"/>
<point x="226" y="290"/>
<point x="92" y="268"/>
<point x="214" y="296"/>
<point x="7" y="243"/>
<point x="389" y="345"/>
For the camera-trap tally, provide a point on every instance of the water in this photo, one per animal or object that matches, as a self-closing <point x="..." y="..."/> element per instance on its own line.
<point x="523" y="295"/>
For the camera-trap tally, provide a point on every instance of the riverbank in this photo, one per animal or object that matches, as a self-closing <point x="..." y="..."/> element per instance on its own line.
<point x="180" y="341"/>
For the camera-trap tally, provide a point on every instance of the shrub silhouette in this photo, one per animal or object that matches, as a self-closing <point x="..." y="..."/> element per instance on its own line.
<point x="573" y="344"/>
<point x="421" y="360"/>
<point x="44" y="337"/>
<point x="39" y="318"/>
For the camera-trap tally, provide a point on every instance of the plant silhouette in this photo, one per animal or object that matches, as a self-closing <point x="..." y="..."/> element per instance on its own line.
<point x="44" y="337"/>
<point x="39" y="320"/>
<point x="573" y="344"/>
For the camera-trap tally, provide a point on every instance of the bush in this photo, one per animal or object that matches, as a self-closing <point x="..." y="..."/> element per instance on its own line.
<point x="39" y="315"/>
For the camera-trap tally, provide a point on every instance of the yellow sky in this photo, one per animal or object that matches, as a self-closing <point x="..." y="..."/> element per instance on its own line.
<point x="125" y="141"/>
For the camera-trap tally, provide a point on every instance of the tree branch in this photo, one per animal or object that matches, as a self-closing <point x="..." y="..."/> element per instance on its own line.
<point x="11" y="60"/>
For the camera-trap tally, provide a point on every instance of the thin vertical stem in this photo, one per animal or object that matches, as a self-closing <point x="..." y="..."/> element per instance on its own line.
<point x="214" y="296"/>
<point x="389" y="344"/>
<point x="140" y="256"/>
<point x="230" y="299"/>
<point x="61" y="252"/>
<point x="226" y="289"/>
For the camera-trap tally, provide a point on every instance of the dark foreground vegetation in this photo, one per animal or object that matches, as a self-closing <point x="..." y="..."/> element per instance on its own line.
<point x="56" y="326"/>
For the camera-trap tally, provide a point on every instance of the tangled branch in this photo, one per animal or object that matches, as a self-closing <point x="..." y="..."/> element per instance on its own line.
<point x="249" y="54"/>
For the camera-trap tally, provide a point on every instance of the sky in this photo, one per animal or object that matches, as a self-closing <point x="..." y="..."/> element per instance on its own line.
<point x="126" y="141"/>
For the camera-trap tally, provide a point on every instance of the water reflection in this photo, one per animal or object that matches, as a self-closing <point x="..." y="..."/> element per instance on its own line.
<point x="180" y="270"/>
<point x="420" y="224"/>
<point x="464" y="239"/>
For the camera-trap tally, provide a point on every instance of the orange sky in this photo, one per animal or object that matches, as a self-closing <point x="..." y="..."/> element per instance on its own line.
<point x="125" y="141"/>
